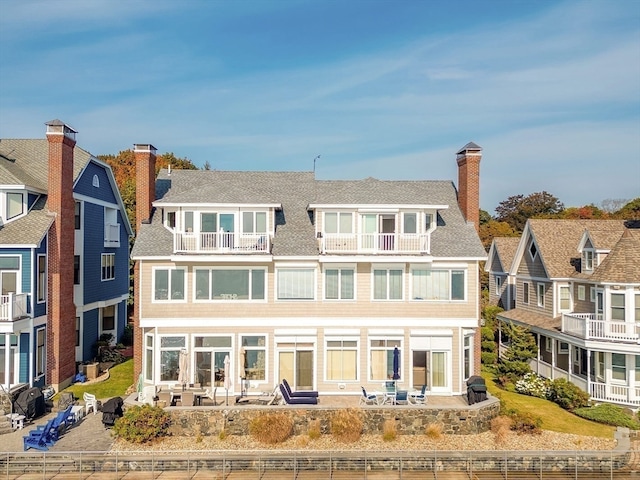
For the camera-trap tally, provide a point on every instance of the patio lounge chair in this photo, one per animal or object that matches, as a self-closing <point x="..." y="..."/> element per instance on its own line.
<point x="402" y="397"/>
<point x="420" y="398"/>
<point x="38" y="438"/>
<point x="368" y="398"/>
<point x="298" y="393"/>
<point x="90" y="402"/>
<point x="297" y="400"/>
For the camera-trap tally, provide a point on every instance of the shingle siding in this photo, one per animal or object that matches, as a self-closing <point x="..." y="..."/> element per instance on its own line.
<point x="84" y="184"/>
<point x="90" y="319"/>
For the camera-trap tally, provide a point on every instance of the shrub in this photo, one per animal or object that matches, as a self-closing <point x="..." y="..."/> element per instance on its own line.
<point x="488" y="358"/>
<point x="500" y="427"/>
<point x="389" y="430"/>
<point x="534" y="385"/>
<point x="142" y="424"/>
<point x="609" y="415"/>
<point x="127" y="335"/>
<point x="567" y="395"/>
<point x="526" y="423"/>
<point x="434" y="431"/>
<point x="314" y="429"/>
<point x="346" y="425"/>
<point x="271" y="428"/>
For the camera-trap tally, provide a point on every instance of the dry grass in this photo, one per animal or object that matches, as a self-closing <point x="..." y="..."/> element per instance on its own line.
<point x="271" y="428"/>
<point x="500" y="427"/>
<point x="389" y="430"/>
<point x="314" y="429"/>
<point x="434" y="431"/>
<point x="346" y="425"/>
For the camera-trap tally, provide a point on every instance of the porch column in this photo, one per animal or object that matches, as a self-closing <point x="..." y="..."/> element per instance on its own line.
<point x="7" y="360"/>
<point x="589" y="372"/>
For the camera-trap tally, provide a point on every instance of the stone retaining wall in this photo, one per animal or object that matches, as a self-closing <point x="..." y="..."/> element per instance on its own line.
<point x="410" y="420"/>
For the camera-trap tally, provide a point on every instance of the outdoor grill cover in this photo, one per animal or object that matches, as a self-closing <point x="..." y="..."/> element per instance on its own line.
<point x="476" y="390"/>
<point x="30" y="403"/>
<point x="111" y="411"/>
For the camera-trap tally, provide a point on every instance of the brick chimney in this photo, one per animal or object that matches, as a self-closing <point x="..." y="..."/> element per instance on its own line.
<point x="468" y="159"/>
<point x="61" y="317"/>
<point x="145" y="155"/>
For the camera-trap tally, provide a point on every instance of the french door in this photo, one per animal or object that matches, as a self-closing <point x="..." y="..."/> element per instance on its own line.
<point x="297" y="367"/>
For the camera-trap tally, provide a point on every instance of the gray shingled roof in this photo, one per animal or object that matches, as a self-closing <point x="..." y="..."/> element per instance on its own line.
<point x="30" y="229"/>
<point x="622" y="264"/>
<point x="506" y="247"/>
<point x="295" y="191"/>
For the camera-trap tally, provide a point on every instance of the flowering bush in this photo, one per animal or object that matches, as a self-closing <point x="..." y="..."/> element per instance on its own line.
<point x="532" y="384"/>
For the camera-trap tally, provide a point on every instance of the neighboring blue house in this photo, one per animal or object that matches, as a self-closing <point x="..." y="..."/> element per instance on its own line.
<point x="51" y="312"/>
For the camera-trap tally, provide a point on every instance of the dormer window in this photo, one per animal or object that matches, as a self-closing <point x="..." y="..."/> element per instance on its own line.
<point x="587" y="258"/>
<point x="96" y="181"/>
<point x="428" y="220"/>
<point x="15" y="205"/>
<point x="533" y="250"/>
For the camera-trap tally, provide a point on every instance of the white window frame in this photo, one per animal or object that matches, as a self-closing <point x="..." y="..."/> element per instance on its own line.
<point x="498" y="280"/>
<point x="533" y="250"/>
<point x="416" y="219"/>
<point x="540" y="287"/>
<point x="42" y="279"/>
<point x="107" y="267"/>
<point x="340" y="269"/>
<point x="149" y="357"/>
<point x="563" y="348"/>
<point x="467" y="357"/>
<point x="589" y="258"/>
<point x="41" y="352"/>
<point x="302" y="294"/>
<point x="567" y="289"/>
<point x="171" y="348"/>
<point x="264" y="348"/>
<point x="342" y="348"/>
<point x="449" y="271"/>
<point x="387" y="269"/>
<point x="592" y="294"/>
<point x="254" y="221"/>
<point x="169" y="298"/>
<point x="548" y="344"/>
<point x="617" y="367"/>
<point x="339" y="229"/>
<point x="10" y="195"/>
<point x="391" y="342"/>
<point x="230" y="298"/>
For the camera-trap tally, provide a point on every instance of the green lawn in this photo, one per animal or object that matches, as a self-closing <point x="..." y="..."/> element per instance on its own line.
<point x="120" y="379"/>
<point x="553" y="417"/>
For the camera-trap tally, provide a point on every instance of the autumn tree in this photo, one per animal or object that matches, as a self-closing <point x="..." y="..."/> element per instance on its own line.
<point x="587" y="212"/>
<point x="517" y="209"/>
<point x="631" y="211"/>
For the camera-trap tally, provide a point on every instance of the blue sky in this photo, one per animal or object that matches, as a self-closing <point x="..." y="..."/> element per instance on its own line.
<point x="389" y="89"/>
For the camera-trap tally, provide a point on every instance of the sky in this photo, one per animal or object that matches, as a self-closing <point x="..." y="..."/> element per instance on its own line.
<point x="353" y="89"/>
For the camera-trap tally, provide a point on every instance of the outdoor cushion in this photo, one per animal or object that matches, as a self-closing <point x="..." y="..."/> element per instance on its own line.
<point x="297" y="400"/>
<point x="298" y="393"/>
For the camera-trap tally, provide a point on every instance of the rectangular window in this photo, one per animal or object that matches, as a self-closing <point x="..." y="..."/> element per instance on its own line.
<point x="468" y="353"/>
<point x="387" y="284"/>
<point x="540" y="294"/>
<point x="109" y="318"/>
<point x="410" y="223"/>
<point x="525" y="293"/>
<point x="168" y="284"/>
<point x="592" y="294"/>
<point x="564" y="348"/>
<point x="548" y="344"/>
<point x="41" y="352"/>
<point x="108" y="266"/>
<point x="637" y="369"/>
<point x="617" y="306"/>
<point x="171" y="219"/>
<point x="188" y="222"/>
<point x="339" y="284"/>
<point x="342" y="360"/>
<point x="296" y="284"/>
<point x="565" y="298"/>
<point x="439" y="369"/>
<point x="619" y="366"/>
<point x="77" y="331"/>
<point x="588" y="260"/>
<point x="15" y="205"/>
<point x="338" y="222"/>
<point x="637" y="299"/>
<point x="42" y="278"/>
<point x="78" y="210"/>
<point x="170" y="348"/>
<point x="581" y="292"/>
<point x="438" y="284"/>
<point x="236" y="284"/>
<point x="255" y="356"/>
<point x="254" y="222"/>
<point x="498" y="284"/>
<point x="381" y="359"/>
<point x="148" y="358"/>
<point x="76" y="269"/>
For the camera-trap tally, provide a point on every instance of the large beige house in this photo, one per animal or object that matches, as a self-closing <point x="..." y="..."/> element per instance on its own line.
<point x="576" y="285"/>
<point x="315" y="281"/>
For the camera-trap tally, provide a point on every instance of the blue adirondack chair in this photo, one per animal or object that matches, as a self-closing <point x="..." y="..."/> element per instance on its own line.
<point x="38" y="438"/>
<point x="58" y="426"/>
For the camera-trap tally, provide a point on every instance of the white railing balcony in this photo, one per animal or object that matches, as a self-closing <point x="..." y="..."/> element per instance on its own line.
<point x="112" y="235"/>
<point x="621" y="394"/>
<point x="592" y="327"/>
<point x="375" y="243"/>
<point x="221" y="242"/>
<point x="13" y="307"/>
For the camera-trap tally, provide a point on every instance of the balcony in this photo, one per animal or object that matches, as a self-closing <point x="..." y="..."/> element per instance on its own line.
<point x="221" y="242"/>
<point x="591" y="327"/>
<point x="112" y="235"/>
<point x="13" y="307"/>
<point x="376" y="243"/>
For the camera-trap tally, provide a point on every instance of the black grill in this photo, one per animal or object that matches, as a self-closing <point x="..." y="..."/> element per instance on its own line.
<point x="476" y="390"/>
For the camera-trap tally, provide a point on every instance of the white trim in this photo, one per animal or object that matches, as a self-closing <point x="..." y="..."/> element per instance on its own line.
<point x="378" y="207"/>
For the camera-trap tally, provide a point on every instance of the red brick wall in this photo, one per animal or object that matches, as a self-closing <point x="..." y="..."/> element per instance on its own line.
<point x="469" y="187"/>
<point x="61" y="318"/>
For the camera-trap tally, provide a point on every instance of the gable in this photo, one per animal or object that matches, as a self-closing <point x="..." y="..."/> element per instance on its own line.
<point x="85" y="184"/>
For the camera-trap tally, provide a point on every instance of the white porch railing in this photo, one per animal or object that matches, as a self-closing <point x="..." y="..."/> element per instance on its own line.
<point x="221" y="242"/>
<point x="375" y="243"/>
<point x="591" y="327"/>
<point x="13" y="306"/>
<point x="112" y="235"/>
<point x="615" y="393"/>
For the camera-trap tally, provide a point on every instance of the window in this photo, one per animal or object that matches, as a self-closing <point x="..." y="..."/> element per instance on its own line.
<point x="428" y="220"/>
<point x="468" y="355"/>
<point x="525" y="293"/>
<point x="15" y="205"/>
<point x="77" y="331"/>
<point x="339" y="284"/>
<point x="381" y="358"/>
<point x="498" y="284"/>
<point x="637" y="369"/>
<point x="533" y="250"/>
<point x="619" y="367"/>
<point x="637" y="298"/>
<point x="108" y="266"/>
<point x="600" y="370"/>
<point x="255" y="356"/>
<point x="581" y="292"/>
<point x="170" y="348"/>
<point x="188" y="223"/>
<point x="168" y="284"/>
<point x="76" y="269"/>
<point x="617" y="306"/>
<point x="410" y="223"/>
<point x="437" y="284"/>
<point x="439" y="369"/>
<point x="77" y="216"/>
<point x="232" y="284"/>
<point x="338" y="222"/>
<point x="548" y="344"/>
<point x="42" y="278"/>
<point x="342" y="359"/>
<point x="148" y="357"/>
<point x="588" y="260"/>
<point x="592" y="294"/>
<point x="540" y="294"/>
<point x="95" y="181"/>
<point x="387" y="284"/>
<point x="171" y="219"/>
<point x="564" y="348"/>
<point x="565" y="298"/>
<point x="296" y="284"/>
<point x="254" y="222"/>
<point x="41" y="352"/>
<point x="109" y="318"/>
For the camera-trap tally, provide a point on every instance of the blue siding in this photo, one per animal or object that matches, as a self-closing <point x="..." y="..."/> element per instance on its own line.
<point x="23" y="354"/>
<point x="122" y="319"/>
<point x="40" y="309"/>
<point x="84" y="185"/>
<point x="89" y="333"/>
<point x="31" y="199"/>
<point x="26" y="265"/>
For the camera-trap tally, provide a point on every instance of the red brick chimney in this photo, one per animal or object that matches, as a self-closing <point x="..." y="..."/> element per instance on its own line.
<point x="61" y="317"/>
<point x="145" y="155"/>
<point x="468" y="159"/>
